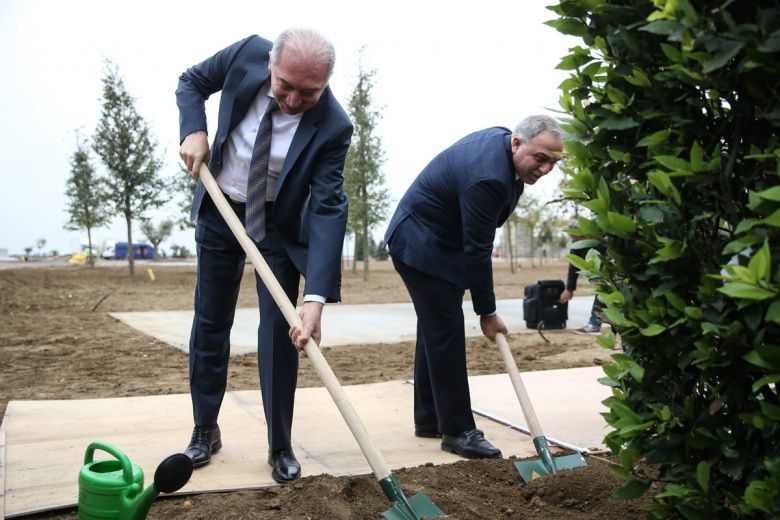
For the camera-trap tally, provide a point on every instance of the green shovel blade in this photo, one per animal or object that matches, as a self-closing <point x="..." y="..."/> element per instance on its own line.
<point x="533" y="469"/>
<point x="421" y="508"/>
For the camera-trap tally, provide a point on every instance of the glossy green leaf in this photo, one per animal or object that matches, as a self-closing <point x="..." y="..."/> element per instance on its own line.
<point x="569" y="26"/>
<point x="770" y="410"/>
<point x="618" y="318"/>
<point x="773" y="312"/>
<point x="746" y="291"/>
<point x="632" y="490"/>
<point x="673" y="163"/>
<point x="652" y="330"/>
<point x="772" y="193"/>
<point x="773" y="219"/>
<point x="674" y="490"/>
<point x="637" y="372"/>
<point x="723" y="56"/>
<point x="755" y="358"/>
<point x="606" y="341"/>
<point x="621" y="224"/>
<point x="664" y="27"/>
<point x="619" y="123"/>
<point x="697" y="157"/>
<point x="764" y="381"/>
<point x="760" y="263"/>
<point x="703" y="475"/>
<point x="671" y="52"/>
<point x="661" y="181"/>
<point x="655" y="138"/>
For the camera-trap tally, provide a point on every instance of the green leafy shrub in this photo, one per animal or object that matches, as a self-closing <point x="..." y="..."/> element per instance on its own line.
<point x="673" y="109"/>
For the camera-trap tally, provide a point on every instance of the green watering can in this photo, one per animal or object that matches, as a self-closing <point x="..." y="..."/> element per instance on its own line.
<point x="113" y="488"/>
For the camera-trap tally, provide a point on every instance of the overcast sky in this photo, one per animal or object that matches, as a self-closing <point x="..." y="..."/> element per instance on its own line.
<point x="444" y="69"/>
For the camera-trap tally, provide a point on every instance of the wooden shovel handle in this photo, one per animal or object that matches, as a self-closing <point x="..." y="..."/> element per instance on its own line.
<point x="517" y="382"/>
<point x="326" y="375"/>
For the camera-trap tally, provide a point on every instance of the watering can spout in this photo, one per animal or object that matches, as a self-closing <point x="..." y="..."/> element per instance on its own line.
<point x="171" y="475"/>
<point x="135" y="505"/>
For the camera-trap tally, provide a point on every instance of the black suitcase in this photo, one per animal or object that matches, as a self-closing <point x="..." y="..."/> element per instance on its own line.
<point x="541" y="309"/>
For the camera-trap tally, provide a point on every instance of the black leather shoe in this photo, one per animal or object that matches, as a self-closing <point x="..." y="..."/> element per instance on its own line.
<point x="205" y="441"/>
<point x="470" y="444"/>
<point x="285" y="466"/>
<point x="428" y="432"/>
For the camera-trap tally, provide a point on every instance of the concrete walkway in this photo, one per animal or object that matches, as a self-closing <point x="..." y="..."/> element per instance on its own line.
<point x="341" y="324"/>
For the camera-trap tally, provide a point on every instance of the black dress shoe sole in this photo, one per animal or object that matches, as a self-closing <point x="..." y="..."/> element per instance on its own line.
<point x="427" y="434"/>
<point x="279" y="480"/>
<point x="450" y="449"/>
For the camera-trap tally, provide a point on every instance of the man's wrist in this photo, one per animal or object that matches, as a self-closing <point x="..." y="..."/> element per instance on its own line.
<point x="314" y="298"/>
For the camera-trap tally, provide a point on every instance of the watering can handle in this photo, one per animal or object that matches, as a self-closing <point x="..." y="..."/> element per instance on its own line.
<point x="127" y="468"/>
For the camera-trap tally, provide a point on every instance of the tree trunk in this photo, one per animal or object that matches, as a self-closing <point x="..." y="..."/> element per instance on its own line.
<point x="510" y="249"/>
<point x="130" y="255"/>
<point x="354" y="254"/>
<point x="91" y="258"/>
<point x="365" y="251"/>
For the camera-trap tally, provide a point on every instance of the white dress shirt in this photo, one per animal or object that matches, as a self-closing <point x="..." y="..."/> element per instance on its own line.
<point x="234" y="177"/>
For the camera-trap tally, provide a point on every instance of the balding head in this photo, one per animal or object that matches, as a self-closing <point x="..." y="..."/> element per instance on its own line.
<point x="305" y="46"/>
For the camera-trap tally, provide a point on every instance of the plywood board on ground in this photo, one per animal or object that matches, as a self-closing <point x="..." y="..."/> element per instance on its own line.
<point x="566" y="401"/>
<point x="46" y="440"/>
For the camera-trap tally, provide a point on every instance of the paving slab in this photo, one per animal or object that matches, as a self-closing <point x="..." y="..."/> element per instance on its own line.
<point x="341" y="324"/>
<point x="42" y="443"/>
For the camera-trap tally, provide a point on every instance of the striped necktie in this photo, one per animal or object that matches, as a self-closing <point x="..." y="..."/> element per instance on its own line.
<point x="258" y="176"/>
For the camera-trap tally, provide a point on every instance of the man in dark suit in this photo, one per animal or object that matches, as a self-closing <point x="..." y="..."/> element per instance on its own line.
<point x="441" y="240"/>
<point x="297" y="216"/>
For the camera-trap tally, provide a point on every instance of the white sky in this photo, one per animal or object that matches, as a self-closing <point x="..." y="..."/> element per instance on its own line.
<point x="444" y="69"/>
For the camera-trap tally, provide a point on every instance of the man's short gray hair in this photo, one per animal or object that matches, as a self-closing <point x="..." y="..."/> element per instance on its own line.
<point x="306" y="44"/>
<point x="532" y="126"/>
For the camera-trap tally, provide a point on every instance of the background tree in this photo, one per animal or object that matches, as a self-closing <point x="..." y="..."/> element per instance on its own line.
<point x="40" y="244"/>
<point x="156" y="234"/>
<point x="534" y="216"/>
<point x="87" y="197"/>
<point x="124" y="144"/>
<point x="675" y="114"/>
<point x="364" y="182"/>
<point x="509" y="230"/>
<point x="183" y="186"/>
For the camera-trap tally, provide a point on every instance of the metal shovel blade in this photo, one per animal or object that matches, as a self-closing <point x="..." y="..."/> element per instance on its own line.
<point x="419" y="507"/>
<point x="533" y="469"/>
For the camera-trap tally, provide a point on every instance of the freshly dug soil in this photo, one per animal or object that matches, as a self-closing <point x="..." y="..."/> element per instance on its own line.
<point x="57" y="341"/>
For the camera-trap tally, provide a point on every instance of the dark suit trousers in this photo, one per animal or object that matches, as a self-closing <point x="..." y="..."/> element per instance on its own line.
<point x="221" y="262"/>
<point x="441" y="389"/>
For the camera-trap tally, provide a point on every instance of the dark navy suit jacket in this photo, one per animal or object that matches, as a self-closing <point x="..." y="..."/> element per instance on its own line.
<point x="310" y="210"/>
<point x="445" y="224"/>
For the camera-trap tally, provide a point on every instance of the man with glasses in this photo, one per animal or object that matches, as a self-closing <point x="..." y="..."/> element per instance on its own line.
<point x="441" y="239"/>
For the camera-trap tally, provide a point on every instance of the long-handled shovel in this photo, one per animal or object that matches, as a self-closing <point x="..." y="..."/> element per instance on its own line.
<point x="416" y="508"/>
<point x="546" y="463"/>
